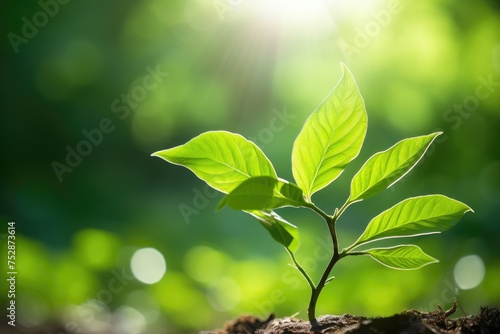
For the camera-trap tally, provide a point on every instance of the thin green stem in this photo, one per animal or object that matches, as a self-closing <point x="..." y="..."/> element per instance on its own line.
<point x="351" y="247"/>
<point x="354" y="253"/>
<point x="320" y="212"/>
<point x="301" y="270"/>
<point x="343" y="208"/>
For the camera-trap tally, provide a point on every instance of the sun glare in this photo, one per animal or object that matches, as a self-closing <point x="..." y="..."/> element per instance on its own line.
<point x="291" y="12"/>
<point x="306" y="10"/>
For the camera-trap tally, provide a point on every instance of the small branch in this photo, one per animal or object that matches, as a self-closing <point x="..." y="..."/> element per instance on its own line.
<point x="301" y="270"/>
<point x="343" y="208"/>
<point x="319" y="211"/>
<point x="452" y="310"/>
<point x="449" y="312"/>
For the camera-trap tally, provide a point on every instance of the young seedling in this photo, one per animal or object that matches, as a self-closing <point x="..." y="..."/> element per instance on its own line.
<point x="331" y="137"/>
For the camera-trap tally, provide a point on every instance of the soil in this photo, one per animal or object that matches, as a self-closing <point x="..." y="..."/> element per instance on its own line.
<point x="407" y="322"/>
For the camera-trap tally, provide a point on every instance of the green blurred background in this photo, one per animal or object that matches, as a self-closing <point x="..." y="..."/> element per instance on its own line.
<point x="93" y="237"/>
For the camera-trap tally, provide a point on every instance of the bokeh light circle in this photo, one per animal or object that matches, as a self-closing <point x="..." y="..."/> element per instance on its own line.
<point x="148" y="265"/>
<point x="128" y="320"/>
<point x="469" y="272"/>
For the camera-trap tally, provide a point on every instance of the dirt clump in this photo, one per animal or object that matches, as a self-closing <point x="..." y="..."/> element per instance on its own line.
<point x="407" y="322"/>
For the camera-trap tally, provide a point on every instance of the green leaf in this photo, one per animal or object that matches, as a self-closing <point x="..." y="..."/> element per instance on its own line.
<point x="405" y="257"/>
<point x="331" y="137"/>
<point x="385" y="168"/>
<point x="281" y="230"/>
<point x="414" y="216"/>
<point x="220" y="158"/>
<point x="329" y="279"/>
<point x="263" y="192"/>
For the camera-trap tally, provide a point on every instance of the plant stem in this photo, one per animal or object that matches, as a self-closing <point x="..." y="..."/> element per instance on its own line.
<point x="336" y="256"/>
<point x="320" y="212"/>
<point x="301" y="270"/>
<point x="355" y="253"/>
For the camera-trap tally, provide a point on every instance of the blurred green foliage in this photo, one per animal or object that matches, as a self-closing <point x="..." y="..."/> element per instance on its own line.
<point x="249" y="67"/>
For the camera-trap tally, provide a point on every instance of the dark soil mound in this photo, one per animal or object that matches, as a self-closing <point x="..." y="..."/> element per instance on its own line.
<point x="407" y="322"/>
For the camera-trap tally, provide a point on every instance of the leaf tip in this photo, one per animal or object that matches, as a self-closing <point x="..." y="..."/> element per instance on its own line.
<point x="345" y="69"/>
<point x="466" y="208"/>
<point x="436" y="134"/>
